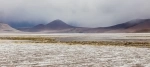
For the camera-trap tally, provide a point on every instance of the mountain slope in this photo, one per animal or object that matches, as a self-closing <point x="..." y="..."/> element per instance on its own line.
<point x="5" y="28"/>
<point x="134" y="26"/>
<point x="143" y="26"/>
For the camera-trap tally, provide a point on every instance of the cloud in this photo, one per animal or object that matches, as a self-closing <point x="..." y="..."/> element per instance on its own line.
<point x="89" y="13"/>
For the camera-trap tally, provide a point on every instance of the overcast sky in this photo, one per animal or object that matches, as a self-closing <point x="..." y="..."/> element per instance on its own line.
<point x="89" y="13"/>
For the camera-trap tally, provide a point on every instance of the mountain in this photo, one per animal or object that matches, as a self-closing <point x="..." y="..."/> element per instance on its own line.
<point x="134" y="26"/>
<point x="54" y="26"/>
<point x="142" y="26"/>
<point x="5" y="28"/>
<point x="58" y="26"/>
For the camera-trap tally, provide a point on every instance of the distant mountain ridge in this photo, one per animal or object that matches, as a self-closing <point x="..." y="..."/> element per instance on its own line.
<point x="54" y="25"/>
<point x="58" y="26"/>
<point x="134" y="26"/>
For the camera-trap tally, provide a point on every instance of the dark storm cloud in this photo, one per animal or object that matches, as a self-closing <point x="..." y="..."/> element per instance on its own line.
<point x="89" y="13"/>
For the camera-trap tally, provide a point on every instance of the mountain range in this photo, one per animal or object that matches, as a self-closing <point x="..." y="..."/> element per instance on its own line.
<point x="58" y="26"/>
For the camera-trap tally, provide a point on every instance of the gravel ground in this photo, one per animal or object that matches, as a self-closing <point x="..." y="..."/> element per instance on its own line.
<point x="61" y="55"/>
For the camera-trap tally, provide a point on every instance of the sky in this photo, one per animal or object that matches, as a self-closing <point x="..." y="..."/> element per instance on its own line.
<point x="85" y="13"/>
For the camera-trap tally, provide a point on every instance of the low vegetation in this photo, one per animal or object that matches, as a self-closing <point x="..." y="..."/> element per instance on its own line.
<point x="53" y="40"/>
<point x="111" y="43"/>
<point x="137" y="36"/>
<point x="31" y="39"/>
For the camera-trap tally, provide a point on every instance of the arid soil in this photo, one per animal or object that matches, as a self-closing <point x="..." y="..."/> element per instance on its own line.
<point x="63" y="55"/>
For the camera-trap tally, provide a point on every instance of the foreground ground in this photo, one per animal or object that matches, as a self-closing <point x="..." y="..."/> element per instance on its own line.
<point x="14" y="54"/>
<point x="61" y="55"/>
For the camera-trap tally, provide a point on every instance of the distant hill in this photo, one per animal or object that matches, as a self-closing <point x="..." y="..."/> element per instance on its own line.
<point x="142" y="26"/>
<point x="5" y="28"/>
<point x="52" y="26"/>
<point x="58" y="26"/>
<point x="134" y="26"/>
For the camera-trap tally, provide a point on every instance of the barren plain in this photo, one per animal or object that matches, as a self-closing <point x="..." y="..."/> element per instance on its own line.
<point x="75" y="50"/>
